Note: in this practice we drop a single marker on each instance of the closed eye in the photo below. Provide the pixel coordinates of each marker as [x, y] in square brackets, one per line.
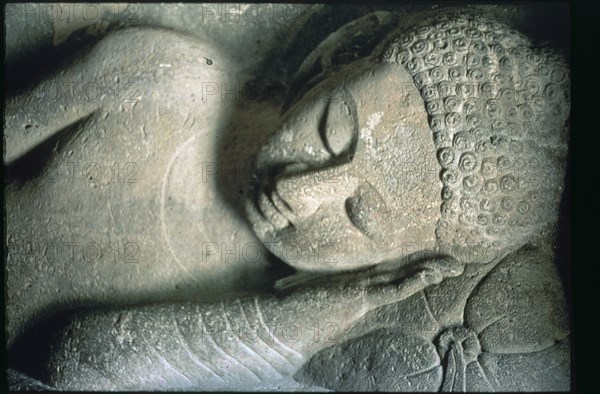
[338, 127]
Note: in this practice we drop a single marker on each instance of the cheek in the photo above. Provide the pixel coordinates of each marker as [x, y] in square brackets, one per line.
[328, 225]
[326, 241]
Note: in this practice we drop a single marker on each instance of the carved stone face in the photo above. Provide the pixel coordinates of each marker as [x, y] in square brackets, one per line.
[349, 178]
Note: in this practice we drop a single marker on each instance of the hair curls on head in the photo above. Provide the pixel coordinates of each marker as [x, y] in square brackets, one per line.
[497, 108]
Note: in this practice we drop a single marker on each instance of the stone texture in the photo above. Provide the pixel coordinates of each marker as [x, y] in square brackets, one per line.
[376, 151]
[495, 343]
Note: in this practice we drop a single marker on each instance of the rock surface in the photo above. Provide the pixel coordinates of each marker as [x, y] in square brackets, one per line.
[144, 145]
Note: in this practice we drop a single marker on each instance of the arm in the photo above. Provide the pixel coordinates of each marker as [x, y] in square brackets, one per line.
[221, 344]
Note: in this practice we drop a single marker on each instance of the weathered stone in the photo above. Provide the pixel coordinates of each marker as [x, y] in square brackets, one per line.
[411, 176]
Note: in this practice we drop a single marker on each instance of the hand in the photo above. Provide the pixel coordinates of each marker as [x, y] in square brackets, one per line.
[395, 285]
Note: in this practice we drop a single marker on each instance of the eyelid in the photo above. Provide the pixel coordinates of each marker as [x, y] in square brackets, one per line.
[340, 117]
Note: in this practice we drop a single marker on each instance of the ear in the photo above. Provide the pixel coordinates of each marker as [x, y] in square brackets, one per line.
[352, 41]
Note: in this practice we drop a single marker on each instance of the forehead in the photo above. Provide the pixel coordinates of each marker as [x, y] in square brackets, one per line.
[370, 82]
[395, 142]
[387, 103]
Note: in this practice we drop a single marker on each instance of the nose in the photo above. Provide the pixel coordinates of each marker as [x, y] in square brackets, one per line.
[304, 192]
[297, 140]
[280, 152]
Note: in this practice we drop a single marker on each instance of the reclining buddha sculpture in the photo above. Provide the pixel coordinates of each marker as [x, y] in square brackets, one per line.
[432, 161]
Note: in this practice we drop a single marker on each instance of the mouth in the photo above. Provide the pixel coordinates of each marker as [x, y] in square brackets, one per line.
[270, 205]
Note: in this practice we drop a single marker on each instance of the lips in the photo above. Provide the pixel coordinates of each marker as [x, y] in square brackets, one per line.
[271, 213]
[270, 205]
